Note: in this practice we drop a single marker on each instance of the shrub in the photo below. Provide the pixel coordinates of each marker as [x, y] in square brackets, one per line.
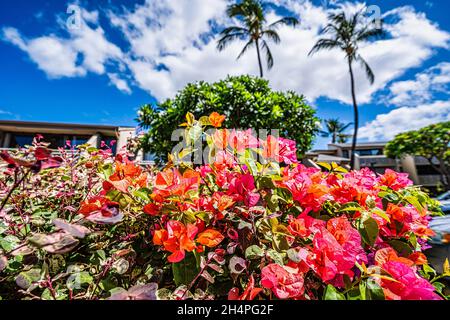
[92, 226]
[431, 142]
[247, 102]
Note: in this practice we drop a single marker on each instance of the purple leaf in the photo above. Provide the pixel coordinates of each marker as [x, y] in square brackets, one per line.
[75, 230]
[3, 263]
[237, 265]
[101, 219]
[205, 274]
[57, 243]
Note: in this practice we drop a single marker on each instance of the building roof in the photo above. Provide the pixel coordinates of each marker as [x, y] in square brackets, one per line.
[359, 144]
[58, 128]
[328, 158]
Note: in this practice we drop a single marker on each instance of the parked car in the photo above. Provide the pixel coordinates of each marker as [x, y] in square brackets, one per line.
[444, 199]
[440, 242]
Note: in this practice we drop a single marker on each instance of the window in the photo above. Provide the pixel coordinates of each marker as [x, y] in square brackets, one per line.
[79, 140]
[426, 170]
[20, 140]
[369, 152]
[56, 141]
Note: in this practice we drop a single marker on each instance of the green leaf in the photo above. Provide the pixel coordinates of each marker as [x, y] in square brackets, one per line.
[9, 242]
[331, 293]
[381, 214]
[374, 291]
[27, 279]
[275, 256]
[186, 270]
[76, 280]
[402, 248]
[354, 294]
[142, 194]
[254, 252]
[368, 228]
[350, 206]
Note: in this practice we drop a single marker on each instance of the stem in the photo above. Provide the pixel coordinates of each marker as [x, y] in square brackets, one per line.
[16, 184]
[198, 275]
[356, 115]
[259, 59]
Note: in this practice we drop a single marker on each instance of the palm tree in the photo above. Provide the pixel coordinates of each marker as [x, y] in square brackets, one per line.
[335, 129]
[346, 33]
[255, 29]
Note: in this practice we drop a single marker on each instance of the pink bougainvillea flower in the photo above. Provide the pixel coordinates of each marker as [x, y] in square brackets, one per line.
[177, 239]
[307, 185]
[242, 187]
[285, 282]
[336, 250]
[394, 180]
[406, 283]
[242, 140]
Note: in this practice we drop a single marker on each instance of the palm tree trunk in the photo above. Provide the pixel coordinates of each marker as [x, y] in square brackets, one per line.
[333, 140]
[356, 115]
[259, 59]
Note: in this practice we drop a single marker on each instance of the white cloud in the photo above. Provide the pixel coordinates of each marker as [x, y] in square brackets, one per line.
[4, 112]
[60, 57]
[120, 84]
[386, 126]
[422, 89]
[52, 55]
[172, 43]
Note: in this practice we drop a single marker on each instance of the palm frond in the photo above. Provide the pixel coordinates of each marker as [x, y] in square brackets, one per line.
[227, 39]
[288, 21]
[233, 29]
[368, 33]
[369, 73]
[272, 35]
[325, 44]
[269, 57]
[246, 47]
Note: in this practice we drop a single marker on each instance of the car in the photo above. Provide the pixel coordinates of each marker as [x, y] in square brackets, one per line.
[440, 242]
[444, 199]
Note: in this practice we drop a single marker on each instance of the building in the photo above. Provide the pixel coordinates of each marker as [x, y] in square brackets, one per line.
[371, 155]
[16, 134]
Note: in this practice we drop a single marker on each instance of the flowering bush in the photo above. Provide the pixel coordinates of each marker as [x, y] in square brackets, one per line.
[250, 223]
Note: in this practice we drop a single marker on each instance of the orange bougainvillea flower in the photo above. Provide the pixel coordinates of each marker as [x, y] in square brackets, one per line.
[126, 175]
[216, 119]
[222, 201]
[177, 239]
[418, 258]
[220, 138]
[210, 238]
[388, 254]
[172, 182]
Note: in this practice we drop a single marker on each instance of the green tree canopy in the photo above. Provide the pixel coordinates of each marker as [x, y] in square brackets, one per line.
[247, 102]
[431, 142]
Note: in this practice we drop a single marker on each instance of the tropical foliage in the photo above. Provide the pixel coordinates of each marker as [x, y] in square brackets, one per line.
[255, 29]
[247, 102]
[431, 142]
[336, 130]
[251, 223]
[346, 33]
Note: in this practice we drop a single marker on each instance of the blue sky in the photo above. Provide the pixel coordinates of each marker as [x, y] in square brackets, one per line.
[104, 70]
